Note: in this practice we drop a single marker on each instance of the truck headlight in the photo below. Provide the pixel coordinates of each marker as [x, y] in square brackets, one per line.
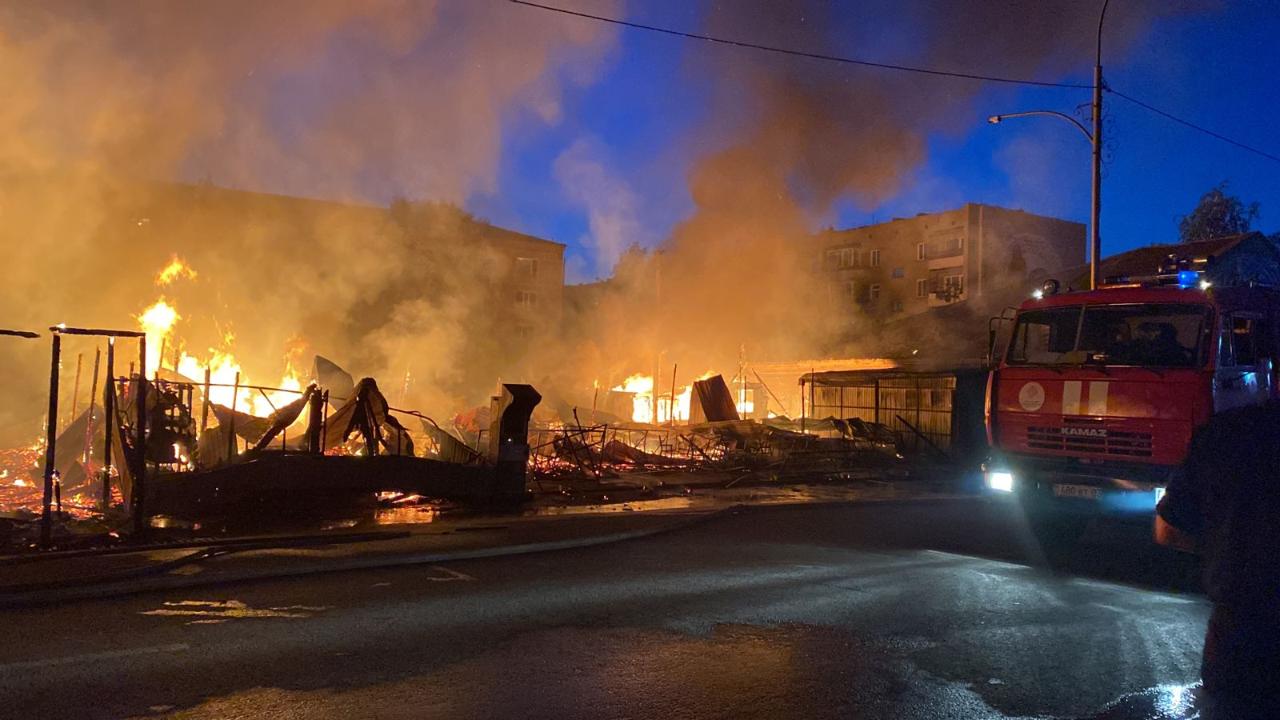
[1159, 495]
[1000, 480]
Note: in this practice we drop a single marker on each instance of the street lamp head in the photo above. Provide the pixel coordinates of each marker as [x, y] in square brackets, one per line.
[994, 119]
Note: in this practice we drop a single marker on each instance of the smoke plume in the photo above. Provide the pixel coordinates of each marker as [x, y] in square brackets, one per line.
[107, 104]
[787, 138]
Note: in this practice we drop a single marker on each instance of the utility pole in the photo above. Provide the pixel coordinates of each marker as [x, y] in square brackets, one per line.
[1095, 145]
[1095, 205]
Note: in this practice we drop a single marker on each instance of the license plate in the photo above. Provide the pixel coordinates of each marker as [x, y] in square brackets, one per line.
[1085, 492]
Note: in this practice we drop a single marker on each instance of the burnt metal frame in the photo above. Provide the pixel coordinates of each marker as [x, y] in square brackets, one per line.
[140, 461]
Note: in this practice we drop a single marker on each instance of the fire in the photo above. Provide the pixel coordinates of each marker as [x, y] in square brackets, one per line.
[265, 405]
[641, 387]
[223, 371]
[174, 270]
[642, 399]
[157, 322]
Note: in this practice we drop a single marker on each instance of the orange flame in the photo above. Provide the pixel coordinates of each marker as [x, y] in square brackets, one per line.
[174, 270]
[642, 388]
[157, 322]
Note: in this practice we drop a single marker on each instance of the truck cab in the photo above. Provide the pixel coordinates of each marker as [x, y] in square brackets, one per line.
[1091, 408]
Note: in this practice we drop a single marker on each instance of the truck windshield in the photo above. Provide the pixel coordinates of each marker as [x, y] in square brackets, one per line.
[1169, 335]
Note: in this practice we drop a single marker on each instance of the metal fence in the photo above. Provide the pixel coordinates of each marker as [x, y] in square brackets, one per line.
[942, 409]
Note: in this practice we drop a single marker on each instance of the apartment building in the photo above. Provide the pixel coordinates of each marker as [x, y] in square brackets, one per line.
[908, 265]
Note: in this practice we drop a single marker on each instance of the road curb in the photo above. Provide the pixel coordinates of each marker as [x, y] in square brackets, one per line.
[99, 591]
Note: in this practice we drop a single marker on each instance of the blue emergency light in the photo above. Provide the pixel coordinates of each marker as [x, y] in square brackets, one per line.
[1188, 278]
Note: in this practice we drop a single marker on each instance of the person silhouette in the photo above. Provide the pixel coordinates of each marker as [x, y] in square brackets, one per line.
[1228, 499]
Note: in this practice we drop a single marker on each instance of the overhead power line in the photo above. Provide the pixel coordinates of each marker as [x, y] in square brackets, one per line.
[801, 53]
[889, 66]
[1193, 126]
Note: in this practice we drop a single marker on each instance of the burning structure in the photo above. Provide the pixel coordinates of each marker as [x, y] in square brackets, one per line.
[430, 300]
[155, 460]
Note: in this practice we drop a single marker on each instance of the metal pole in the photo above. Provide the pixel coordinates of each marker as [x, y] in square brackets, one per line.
[802, 406]
[204, 413]
[75, 388]
[1095, 204]
[51, 438]
[140, 475]
[93, 405]
[671, 409]
[315, 423]
[231, 423]
[109, 411]
[324, 423]
[812, 374]
[653, 390]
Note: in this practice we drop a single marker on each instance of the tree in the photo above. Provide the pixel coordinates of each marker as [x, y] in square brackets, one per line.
[1217, 214]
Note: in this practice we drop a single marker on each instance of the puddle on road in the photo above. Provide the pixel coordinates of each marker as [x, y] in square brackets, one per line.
[212, 612]
[1164, 702]
[729, 671]
[667, 503]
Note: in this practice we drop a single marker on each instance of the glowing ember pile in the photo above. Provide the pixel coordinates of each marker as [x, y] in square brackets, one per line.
[19, 468]
[22, 484]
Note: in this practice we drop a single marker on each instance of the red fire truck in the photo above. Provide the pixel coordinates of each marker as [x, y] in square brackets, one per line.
[1091, 408]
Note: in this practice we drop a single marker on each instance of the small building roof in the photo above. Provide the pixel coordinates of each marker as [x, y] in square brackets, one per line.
[1145, 261]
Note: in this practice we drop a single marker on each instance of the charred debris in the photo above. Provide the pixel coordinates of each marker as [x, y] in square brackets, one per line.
[162, 452]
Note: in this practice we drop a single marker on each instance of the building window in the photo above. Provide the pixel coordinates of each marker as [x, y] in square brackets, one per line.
[841, 258]
[922, 288]
[851, 289]
[919, 251]
[944, 247]
[527, 267]
[526, 299]
[897, 306]
[1244, 341]
[873, 293]
[875, 258]
[947, 283]
[899, 273]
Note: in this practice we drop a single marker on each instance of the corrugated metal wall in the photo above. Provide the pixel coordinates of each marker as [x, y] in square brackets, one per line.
[925, 401]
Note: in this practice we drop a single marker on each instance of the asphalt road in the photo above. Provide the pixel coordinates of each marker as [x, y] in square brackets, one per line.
[932, 610]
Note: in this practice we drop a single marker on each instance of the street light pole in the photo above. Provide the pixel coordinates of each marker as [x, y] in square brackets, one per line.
[1095, 143]
[1095, 204]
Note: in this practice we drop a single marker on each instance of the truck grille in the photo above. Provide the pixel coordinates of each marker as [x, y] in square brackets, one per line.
[1090, 438]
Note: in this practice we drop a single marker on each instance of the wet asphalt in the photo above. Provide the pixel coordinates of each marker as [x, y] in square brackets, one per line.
[946, 609]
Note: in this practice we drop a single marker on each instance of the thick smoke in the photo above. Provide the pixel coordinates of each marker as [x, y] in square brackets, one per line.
[106, 104]
[788, 138]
